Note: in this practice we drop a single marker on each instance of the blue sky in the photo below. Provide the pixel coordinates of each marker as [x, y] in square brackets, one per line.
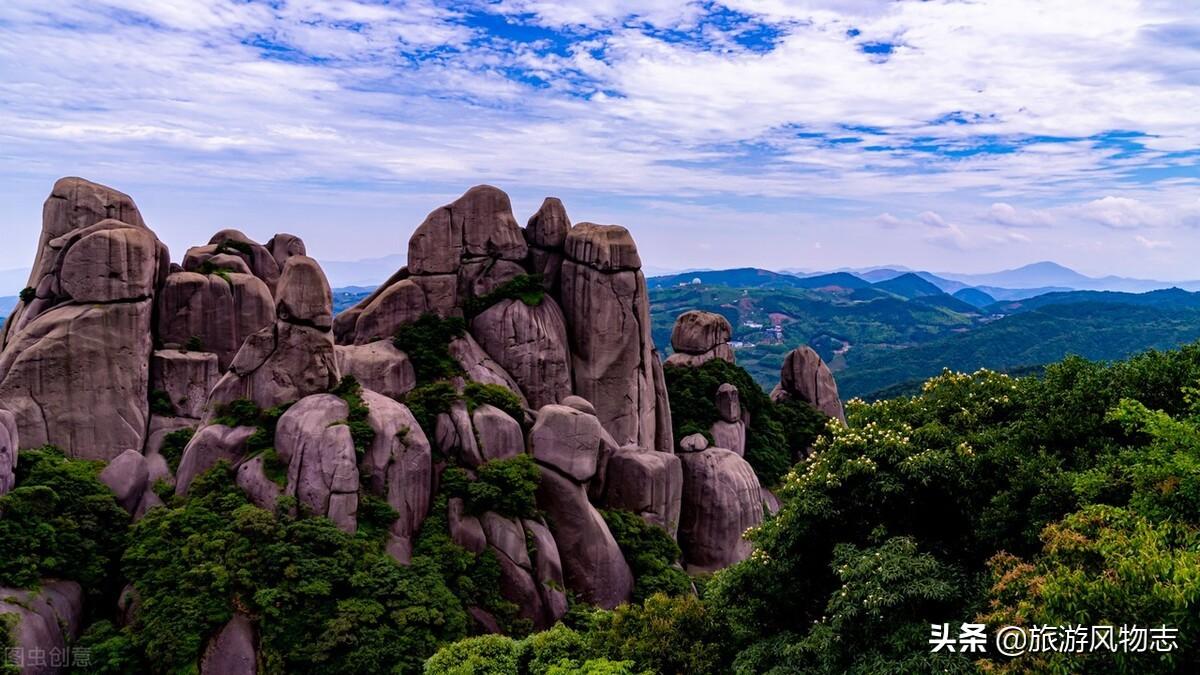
[946, 135]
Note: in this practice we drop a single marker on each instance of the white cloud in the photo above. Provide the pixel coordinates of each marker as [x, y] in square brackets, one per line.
[1153, 243]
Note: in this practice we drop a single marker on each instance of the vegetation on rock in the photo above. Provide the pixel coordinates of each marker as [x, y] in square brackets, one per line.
[426, 341]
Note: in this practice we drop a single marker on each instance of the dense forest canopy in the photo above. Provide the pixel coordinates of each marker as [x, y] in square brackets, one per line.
[1067, 499]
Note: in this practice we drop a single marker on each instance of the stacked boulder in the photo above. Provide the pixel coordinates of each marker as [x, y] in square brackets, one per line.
[75, 365]
[699, 337]
[805, 377]
[115, 348]
[722, 497]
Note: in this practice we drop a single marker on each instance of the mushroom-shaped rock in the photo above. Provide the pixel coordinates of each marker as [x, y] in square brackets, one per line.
[211, 444]
[9, 443]
[397, 466]
[313, 439]
[805, 377]
[568, 440]
[592, 562]
[647, 483]
[721, 500]
[126, 476]
[499, 435]
[696, 332]
[303, 294]
[232, 651]
[184, 378]
[530, 343]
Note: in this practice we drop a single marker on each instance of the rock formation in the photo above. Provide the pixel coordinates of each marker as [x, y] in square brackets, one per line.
[45, 623]
[805, 377]
[115, 349]
[698, 337]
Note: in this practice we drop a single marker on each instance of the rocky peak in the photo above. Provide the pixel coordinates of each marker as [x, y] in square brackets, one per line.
[805, 377]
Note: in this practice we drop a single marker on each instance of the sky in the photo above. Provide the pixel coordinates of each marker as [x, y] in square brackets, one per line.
[949, 135]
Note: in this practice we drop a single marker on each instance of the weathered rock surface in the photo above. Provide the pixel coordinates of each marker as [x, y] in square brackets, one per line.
[210, 445]
[604, 300]
[721, 500]
[314, 441]
[403, 302]
[398, 467]
[696, 332]
[46, 622]
[729, 435]
[500, 436]
[217, 311]
[479, 367]
[479, 223]
[592, 562]
[454, 436]
[232, 651]
[693, 443]
[77, 377]
[283, 246]
[185, 378]
[293, 358]
[568, 440]
[303, 295]
[547, 571]
[126, 475]
[259, 488]
[261, 261]
[465, 529]
[377, 366]
[805, 377]
[10, 443]
[647, 483]
[530, 343]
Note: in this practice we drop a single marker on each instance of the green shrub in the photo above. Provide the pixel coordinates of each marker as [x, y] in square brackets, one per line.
[239, 413]
[651, 554]
[528, 288]
[427, 401]
[160, 403]
[350, 391]
[426, 342]
[499, 396]
[194, 344]
[777, 434]
[28, 294]
[482, 655]
[60, 521]
[322, 599]
[506, 486]
[173, 445]
[661, 635]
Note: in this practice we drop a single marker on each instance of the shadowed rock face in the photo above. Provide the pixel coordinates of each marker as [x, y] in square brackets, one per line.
[805, 377]
[112, 321]
[74, 370]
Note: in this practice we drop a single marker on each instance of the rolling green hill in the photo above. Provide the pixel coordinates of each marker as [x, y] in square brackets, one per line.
[1022, 342]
